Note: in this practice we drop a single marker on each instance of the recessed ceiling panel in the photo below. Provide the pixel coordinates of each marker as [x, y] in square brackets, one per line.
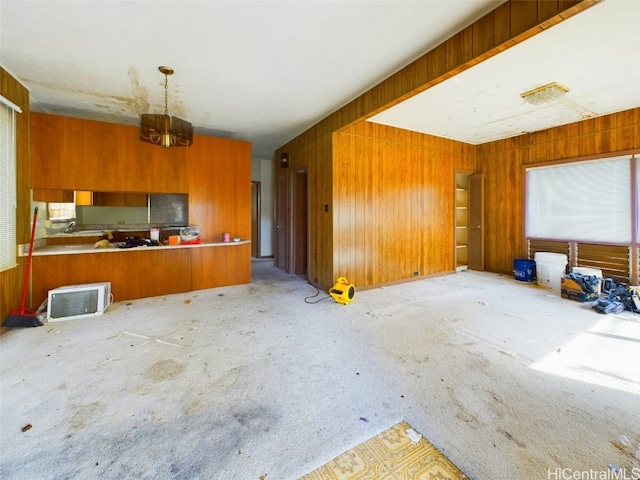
[595, 54]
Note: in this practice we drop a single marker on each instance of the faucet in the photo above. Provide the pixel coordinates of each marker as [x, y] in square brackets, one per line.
[70, 227]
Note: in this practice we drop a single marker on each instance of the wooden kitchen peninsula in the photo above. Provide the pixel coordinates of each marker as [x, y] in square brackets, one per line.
[142, 271]
[70, 154]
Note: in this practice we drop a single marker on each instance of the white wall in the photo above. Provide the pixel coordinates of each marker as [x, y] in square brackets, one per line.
[262, 171]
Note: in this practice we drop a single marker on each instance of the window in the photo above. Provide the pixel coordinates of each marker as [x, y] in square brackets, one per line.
[7, 185]
[585, 201]
[61, 211]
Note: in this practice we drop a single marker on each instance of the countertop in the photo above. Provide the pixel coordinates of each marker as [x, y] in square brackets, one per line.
[92, 233]
[112, 248]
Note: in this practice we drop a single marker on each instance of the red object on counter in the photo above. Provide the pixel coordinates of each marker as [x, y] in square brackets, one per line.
[190, 242]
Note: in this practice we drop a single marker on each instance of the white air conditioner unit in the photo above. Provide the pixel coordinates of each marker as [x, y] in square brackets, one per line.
[78, 301]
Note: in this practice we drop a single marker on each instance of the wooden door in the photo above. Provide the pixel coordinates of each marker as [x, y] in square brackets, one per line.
[476, 222]
[255, 219]
[300, 223]
[281, 223]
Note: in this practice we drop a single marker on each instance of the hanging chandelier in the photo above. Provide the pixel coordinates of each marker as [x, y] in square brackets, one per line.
[163, 130]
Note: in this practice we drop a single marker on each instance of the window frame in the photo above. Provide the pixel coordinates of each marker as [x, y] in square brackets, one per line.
[8, 193]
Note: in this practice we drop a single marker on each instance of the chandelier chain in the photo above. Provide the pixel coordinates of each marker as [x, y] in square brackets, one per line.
[166, 102]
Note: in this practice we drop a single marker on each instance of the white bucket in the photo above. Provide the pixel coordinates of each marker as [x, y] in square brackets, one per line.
[550, 268]
[589, 271]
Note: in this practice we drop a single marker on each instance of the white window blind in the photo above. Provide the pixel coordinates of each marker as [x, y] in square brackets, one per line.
[636, 157]
[7, 187]
[585, 201]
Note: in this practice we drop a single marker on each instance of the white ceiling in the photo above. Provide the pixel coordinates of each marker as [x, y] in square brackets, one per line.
[265, 71]
[596, 54]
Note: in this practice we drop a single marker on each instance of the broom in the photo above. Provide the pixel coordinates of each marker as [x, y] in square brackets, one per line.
[24, 317]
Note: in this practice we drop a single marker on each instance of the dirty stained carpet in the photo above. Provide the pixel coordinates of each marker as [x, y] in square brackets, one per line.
[251, 382]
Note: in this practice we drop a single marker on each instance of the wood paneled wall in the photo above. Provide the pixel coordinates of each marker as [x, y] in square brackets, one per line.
[394, 194]
[220, 188]
[502, 163]
[11, 280]
[316, 156]
[509, 24]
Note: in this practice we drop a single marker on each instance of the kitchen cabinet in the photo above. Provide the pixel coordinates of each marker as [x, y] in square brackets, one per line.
[173, 269]
[53, 195]
[101, 160]
[128, 271]
[135, 199]
[119, 199]
[84, 198]
[75, 154]
[232, 266]
[111, 199]
[57, 152]
[108, 199]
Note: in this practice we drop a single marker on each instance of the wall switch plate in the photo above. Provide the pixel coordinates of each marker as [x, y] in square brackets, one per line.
[326, 207]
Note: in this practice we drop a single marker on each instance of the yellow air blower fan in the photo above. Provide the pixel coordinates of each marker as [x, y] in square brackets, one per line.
[342, 292]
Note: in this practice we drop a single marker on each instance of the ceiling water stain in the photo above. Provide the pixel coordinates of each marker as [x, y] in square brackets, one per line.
[134, 105]
[140, 102]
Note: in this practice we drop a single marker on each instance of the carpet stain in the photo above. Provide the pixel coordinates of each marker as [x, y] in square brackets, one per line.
[196, 406]
[165, 370]
[623, 449]
[495, 397]
[256, 418]
[514, 440]
[86, 414]
[464, 415]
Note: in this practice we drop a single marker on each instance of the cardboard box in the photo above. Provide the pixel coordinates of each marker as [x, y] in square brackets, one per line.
[573, 291]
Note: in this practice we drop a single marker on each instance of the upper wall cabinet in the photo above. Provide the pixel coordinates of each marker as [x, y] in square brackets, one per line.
[75, 154]
[53, 195]
[57, 149]
[119, 199]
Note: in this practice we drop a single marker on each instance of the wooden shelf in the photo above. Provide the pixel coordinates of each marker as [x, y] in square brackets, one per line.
[462, 222]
